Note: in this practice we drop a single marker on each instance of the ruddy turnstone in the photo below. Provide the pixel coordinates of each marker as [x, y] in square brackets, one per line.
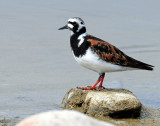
[98, 55]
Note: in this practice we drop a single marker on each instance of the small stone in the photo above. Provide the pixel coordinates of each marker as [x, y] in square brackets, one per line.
[116, 103]
[62, 118]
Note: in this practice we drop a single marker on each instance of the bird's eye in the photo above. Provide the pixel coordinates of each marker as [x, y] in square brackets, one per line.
[81, 22]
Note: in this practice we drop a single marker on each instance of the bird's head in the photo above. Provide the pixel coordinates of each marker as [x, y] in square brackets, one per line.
[75, 24]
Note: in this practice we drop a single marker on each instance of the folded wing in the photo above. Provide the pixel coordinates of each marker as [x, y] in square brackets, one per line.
[112, 54]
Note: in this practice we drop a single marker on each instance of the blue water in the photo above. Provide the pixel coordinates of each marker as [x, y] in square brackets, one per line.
[36, 64]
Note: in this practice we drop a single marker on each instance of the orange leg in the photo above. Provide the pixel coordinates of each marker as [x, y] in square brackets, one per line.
[100, 85]
[100, 79]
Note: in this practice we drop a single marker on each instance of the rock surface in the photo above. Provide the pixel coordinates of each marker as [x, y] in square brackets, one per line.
[116, 103]
[62, 118]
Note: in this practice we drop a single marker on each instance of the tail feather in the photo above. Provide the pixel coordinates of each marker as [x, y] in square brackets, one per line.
[138, 64]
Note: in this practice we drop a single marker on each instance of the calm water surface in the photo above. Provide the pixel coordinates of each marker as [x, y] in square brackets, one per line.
[36, 64]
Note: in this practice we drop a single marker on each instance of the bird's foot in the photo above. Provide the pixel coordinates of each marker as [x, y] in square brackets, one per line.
[86, 88]
[101, 87]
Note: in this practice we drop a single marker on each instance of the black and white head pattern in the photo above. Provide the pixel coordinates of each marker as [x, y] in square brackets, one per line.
[76, 24]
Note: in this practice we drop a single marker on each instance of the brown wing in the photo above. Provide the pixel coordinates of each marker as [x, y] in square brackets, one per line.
[112, 54]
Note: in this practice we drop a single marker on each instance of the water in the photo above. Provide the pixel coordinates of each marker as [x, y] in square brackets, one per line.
[36, 64]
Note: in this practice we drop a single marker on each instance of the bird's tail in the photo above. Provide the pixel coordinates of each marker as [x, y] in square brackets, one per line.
[139, 64]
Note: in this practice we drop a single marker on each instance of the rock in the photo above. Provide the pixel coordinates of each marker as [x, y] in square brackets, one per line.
[62, 118]
[8, 121]
[149, 117]
[116, 103]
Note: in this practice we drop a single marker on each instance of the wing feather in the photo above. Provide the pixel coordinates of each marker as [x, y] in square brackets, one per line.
[112, 54]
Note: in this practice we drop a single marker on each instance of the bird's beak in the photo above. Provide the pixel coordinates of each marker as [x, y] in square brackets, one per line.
[64, 27]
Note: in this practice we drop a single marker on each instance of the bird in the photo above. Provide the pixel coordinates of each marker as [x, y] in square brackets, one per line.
[98, 55]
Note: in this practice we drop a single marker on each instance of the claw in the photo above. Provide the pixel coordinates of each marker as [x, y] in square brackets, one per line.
[101, 87]
[100, 79]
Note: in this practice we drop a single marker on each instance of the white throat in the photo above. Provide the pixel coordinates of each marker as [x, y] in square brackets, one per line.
[81, 39]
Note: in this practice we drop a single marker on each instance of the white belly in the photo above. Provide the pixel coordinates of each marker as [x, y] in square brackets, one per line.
[93, 62]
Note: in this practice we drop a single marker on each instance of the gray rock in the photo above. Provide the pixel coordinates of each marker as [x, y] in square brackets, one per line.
[116, 103]
[62, 118]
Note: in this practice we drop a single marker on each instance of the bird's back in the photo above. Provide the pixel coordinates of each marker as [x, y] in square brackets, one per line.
[113, 55]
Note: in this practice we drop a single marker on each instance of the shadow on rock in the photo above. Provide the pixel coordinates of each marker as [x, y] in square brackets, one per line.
[115, 103]
[117, 106]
